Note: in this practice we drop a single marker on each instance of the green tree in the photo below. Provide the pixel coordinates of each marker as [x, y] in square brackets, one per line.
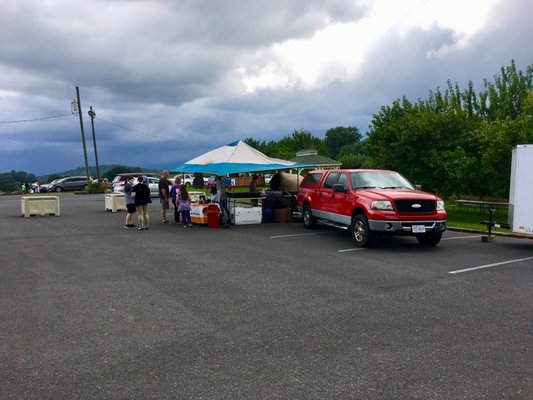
[339, 137]
[287, 147]
[456, 141]
[13, 180]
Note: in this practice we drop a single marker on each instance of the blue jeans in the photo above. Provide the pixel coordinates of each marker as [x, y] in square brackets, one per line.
[186, 217]
[176, 212]
[223, 203]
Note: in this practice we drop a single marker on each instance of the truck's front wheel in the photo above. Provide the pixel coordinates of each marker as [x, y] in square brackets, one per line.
[360, 230]
[309, 220]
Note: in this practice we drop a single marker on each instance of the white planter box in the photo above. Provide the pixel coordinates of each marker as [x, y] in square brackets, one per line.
[39, 205]
[246, 215]
[114, 202]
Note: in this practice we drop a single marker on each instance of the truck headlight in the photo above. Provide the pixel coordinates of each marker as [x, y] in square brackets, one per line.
[440, 205]
[381, 205]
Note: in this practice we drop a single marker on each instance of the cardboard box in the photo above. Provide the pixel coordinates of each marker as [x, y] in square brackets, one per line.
[283, 215]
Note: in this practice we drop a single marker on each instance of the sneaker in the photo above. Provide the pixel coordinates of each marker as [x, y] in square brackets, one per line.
[166, 222]
[140, 228]
[133, 226]
[127, 227]
[190, 225]
[146, 228]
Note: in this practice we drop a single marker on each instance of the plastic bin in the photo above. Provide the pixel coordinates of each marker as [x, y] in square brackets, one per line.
[213, 216]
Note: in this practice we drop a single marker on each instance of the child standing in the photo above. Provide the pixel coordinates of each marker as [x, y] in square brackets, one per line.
[184, 206]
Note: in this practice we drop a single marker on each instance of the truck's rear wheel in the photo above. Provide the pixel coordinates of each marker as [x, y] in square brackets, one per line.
[429, 239]
[361, 234]
[309, 220]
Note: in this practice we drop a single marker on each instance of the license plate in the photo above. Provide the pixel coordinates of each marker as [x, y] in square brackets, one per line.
[418, 228]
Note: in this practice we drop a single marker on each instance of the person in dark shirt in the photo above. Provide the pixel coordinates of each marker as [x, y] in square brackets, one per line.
[164, 196]
[141, 194]
[174, 190]
[275, 181]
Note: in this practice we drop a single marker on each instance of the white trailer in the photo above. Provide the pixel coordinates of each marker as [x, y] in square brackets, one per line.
[521, 190]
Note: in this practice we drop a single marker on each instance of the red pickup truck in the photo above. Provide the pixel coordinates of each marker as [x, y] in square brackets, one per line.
[369, 203]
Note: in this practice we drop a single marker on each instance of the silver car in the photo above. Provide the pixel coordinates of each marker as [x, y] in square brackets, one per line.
[68, 183]
[153, 184]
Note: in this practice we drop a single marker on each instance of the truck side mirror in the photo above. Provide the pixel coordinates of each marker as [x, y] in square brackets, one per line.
[339, 188]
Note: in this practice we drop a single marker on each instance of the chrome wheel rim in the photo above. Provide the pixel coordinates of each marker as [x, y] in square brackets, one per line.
[307, 217]
[359, 231]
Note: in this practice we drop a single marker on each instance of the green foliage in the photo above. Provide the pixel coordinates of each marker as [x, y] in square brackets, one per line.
[469, 217]
[457, 142]
[287, 147]
[339, 137]
[96, 187]
[12, 181]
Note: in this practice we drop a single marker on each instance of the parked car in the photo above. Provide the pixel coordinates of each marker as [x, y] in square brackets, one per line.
[153, 185]
[47, 186]
[120, 181]
[371, 202]
[68, 183]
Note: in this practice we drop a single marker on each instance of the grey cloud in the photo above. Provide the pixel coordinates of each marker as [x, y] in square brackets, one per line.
[160, 75]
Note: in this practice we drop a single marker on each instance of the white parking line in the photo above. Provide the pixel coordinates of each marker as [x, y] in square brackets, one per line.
[298, 234]
[461, 237]
[345, 250]
[490, 265]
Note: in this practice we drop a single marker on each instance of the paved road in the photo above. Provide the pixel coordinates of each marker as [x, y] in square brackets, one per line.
[89, 310]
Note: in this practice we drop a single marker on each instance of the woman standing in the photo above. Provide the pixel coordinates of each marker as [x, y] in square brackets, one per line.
[184, 206]
[174, 194]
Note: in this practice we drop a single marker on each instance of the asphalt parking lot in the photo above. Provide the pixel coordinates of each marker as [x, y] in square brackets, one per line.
[89, 310]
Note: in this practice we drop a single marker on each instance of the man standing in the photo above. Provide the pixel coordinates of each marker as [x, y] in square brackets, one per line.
[164, 196]
[222, 198]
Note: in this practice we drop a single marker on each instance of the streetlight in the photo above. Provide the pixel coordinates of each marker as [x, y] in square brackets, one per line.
[92, 114]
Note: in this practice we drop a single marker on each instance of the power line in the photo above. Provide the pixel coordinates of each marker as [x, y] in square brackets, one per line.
[35, 119]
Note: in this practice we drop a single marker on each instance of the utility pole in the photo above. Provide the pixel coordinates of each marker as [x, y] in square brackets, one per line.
[83, 135]
[92, 114]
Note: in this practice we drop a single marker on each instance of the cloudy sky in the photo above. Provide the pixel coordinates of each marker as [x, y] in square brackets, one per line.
[171, 79]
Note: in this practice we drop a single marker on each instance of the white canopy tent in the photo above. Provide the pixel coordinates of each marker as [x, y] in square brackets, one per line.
[234, 158]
